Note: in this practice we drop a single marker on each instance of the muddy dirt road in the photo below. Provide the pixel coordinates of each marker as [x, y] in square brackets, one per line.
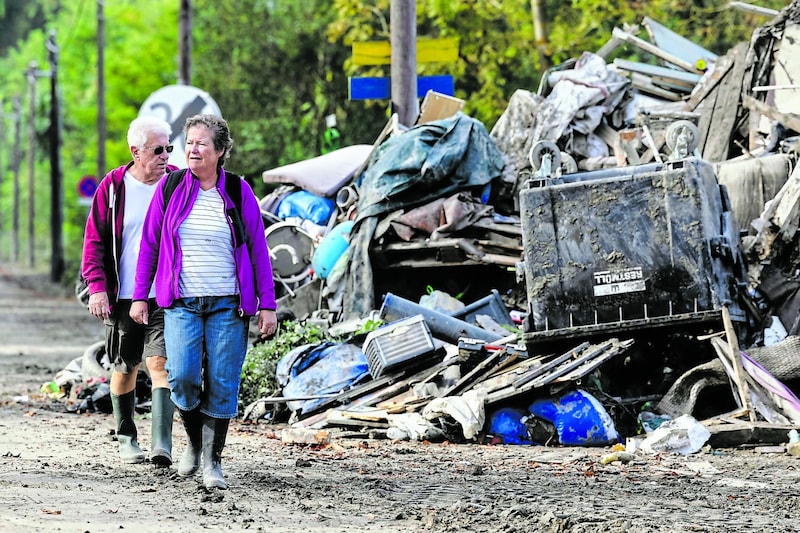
[59, 471]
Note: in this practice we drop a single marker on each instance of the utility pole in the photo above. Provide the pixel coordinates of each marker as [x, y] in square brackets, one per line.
[101, 92]
[540, 35]
[403, 28]
[15, 164]
[185, 43]
[31, 75]
[56, 190]
[2, 146]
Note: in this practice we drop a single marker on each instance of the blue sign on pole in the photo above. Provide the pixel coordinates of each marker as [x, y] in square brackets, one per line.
[375, 88]
[87, 185]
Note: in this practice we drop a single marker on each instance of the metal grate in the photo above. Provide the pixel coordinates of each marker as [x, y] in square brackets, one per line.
[397, 343]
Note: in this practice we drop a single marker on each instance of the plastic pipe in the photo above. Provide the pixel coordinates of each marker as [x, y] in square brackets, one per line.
[442, 326]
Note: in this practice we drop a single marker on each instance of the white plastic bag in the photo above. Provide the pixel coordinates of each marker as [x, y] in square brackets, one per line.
[683, 435]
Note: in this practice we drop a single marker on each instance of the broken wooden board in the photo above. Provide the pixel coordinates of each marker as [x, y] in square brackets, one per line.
[733, 434]
[371, 418]
[788, 119]
[436, 106]
[656, 51]
[571, 365]
[709, 82]
[507, 377]
[715, 135]
[677, 45]
[483, 369]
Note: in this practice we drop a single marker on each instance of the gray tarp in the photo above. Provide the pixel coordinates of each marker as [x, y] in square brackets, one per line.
[429, 161]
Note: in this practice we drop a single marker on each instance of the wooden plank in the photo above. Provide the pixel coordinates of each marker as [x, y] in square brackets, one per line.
[428, 51]
[736, 359]
[340, 418]
[471, 376]
[791, 120]
[538, 371]
[437, 106]
[379, 88]
[645, 84]
[758, 10]
[565, 369]
[371, 414]
[655, 71]
[656, 51]
[678, 45]
[595, 362]
[710, 82]
[726, 110]
[507, 377]
[732, 435]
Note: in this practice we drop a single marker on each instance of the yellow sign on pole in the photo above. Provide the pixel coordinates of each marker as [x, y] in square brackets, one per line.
[428, 51]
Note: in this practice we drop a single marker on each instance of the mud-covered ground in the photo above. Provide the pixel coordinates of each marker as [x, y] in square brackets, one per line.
[59, 470]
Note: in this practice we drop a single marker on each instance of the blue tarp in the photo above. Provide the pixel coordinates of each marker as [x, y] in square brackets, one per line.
[325, 368]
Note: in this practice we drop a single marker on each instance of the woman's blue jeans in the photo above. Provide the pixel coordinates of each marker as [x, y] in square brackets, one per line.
[206, 342]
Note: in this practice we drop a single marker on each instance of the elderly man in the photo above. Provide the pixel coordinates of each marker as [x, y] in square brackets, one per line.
[110, 253]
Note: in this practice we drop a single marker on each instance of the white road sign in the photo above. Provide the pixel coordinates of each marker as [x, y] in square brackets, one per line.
[176, 103]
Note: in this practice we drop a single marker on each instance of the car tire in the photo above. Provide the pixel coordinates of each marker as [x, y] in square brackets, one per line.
[95, 362]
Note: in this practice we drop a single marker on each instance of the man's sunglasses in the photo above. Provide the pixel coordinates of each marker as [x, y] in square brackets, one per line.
[158, 150]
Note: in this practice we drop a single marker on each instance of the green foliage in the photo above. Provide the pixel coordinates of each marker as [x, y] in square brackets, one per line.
[275, 77]
[258, 372]
[369, 325]
[136, 65]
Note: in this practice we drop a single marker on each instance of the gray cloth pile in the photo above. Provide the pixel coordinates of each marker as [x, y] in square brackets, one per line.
[782, 360]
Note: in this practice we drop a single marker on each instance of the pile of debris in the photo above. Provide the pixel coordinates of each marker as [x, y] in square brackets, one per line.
[603, 274]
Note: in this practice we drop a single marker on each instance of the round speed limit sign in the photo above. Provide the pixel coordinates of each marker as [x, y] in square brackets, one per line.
[174, 104]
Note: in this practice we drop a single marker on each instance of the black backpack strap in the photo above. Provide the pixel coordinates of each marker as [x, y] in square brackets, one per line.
[233, 187]
[173, 179]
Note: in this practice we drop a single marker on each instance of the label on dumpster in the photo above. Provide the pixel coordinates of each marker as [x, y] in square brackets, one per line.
[611, 282]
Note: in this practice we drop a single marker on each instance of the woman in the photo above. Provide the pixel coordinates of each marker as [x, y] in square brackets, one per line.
[212, 271]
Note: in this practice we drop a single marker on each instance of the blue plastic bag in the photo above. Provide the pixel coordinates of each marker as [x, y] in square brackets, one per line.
[579, 419]
[508, 425]
[326, 368]
[307, 206]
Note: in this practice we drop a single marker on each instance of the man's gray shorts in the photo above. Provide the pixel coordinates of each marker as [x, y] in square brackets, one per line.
[127, 342]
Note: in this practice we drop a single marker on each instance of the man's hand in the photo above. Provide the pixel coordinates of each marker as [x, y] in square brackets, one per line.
[98, 305]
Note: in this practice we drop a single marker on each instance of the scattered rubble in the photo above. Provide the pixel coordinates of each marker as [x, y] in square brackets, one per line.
[637, 220]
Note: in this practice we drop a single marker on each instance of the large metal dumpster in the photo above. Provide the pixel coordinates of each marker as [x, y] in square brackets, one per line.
[629, 249]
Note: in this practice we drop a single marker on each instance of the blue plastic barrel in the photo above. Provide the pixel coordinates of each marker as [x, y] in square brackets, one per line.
[333, 245]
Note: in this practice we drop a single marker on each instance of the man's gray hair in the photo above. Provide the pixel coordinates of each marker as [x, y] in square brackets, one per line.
[141, 127]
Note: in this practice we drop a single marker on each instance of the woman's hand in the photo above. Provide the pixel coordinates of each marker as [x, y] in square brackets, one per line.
[139, 312]
[267, 322]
